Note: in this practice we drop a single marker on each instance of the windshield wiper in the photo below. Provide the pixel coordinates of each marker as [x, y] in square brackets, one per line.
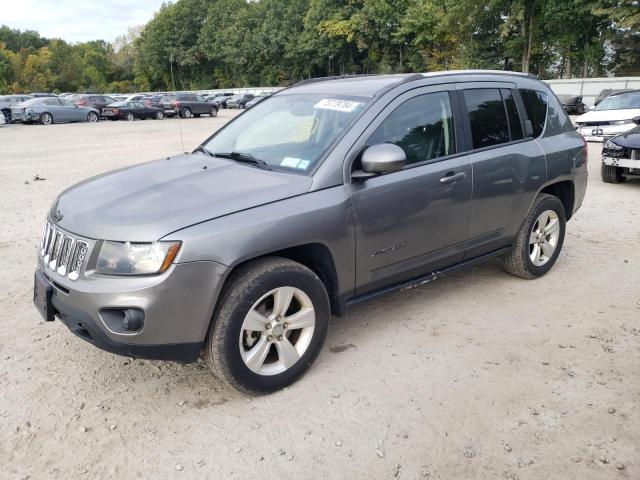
[245, 158]
[200, 148]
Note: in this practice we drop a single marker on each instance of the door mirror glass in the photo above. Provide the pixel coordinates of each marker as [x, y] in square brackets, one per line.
[383, 158]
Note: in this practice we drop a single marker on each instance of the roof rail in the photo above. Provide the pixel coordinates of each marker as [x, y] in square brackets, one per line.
[308, 81]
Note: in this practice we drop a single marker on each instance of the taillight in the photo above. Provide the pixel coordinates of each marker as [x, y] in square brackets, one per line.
[81, 103]
[115, 110]
[176, 104]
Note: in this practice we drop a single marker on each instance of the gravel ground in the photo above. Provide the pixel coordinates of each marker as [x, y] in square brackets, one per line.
[478, 375]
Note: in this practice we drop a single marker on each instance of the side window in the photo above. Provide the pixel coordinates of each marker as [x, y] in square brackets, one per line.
[51, 101]
[200, 98]
[515, 125]
[487, 115]
[536, 105]
[422, 126]
[138, 105]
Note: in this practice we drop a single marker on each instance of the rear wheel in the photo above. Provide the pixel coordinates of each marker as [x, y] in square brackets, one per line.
[270, 326]
[214, 112]
[7, 115]
[92, 117]
[539, 240]
[159, 115]
[186, 113]
[130, 117]
[46, 119]
[611, 174]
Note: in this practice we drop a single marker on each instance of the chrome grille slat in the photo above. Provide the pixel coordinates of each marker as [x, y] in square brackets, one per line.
[62, 252]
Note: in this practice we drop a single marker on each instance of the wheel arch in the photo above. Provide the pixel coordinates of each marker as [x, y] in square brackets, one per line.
[565, 191]
[316, 257]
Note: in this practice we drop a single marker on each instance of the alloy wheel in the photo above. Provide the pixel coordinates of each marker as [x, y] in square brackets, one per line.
[543, 238]
[277, 331]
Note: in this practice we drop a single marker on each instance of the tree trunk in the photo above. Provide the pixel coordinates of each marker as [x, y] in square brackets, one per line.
[569, 63]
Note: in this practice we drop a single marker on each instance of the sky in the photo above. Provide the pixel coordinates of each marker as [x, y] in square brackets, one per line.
[77, 20]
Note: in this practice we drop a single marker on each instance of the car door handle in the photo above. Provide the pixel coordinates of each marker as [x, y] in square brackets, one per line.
[453, 177]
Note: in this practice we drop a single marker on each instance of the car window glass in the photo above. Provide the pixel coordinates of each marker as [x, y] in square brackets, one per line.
[67, 103]
[108, 100]
[422, 126]
[487, 116]
[51, 101]
[620, 102]
[515, 125]
[138, 105]
[200, 98]
[535, 103]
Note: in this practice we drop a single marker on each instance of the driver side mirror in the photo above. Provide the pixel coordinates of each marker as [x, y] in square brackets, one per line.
[636, 120]
[381, 158]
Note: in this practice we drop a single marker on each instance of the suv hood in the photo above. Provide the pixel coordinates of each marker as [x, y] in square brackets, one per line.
[151, 200]
[608, 115]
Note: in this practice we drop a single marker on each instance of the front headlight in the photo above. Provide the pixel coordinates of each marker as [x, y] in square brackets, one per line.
[609, 145]
[128, 258]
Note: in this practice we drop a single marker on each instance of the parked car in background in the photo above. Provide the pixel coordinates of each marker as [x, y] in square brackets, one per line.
[119, 98]
[91, 100]
[42, 94]
[48, 110]
[187, 105]
[606, 92]
[611, 117]
[131, 110]
[7, 101]
[254, 100]
[154, 100]
[572, 104]
[220, 99]
[240, 100]
[621, 156]
[331, 193]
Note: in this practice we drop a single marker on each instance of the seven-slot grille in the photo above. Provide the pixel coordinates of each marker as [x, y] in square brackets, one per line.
[62, 252]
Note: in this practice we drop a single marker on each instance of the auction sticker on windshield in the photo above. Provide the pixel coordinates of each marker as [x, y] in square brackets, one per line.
[338, 105]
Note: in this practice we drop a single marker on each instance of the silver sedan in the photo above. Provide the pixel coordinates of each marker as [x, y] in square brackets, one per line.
[48, 110]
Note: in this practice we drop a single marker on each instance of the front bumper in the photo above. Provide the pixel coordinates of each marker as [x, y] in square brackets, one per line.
[621, 162]
[177, 305]
[600, 133]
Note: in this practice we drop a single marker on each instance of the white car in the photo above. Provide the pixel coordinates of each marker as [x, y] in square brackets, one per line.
[612, 116]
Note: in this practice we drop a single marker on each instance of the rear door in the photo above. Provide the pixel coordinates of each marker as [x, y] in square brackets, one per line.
[414, 221]
[508, 166]
[202, 105]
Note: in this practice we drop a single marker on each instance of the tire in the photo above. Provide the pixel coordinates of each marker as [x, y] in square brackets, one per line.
[129, 117]
[159, 116]
[224, 349]
[7, 116]
[186, 113]
[46, 118]
[92, 117]
[611, 174]
[522, 261]
[214, 112]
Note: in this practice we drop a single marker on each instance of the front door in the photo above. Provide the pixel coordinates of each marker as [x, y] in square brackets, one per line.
[415, 221]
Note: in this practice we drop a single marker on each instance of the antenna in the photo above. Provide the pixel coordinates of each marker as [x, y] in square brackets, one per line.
[173, 82]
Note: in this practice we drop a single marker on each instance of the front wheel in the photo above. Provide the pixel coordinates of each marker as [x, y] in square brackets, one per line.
[159, 115]
[612, 174]
[186, 113]
[539, 240]
[46, 119]
[92, 117]
[130, 117]
[269, 327]
[214, 112]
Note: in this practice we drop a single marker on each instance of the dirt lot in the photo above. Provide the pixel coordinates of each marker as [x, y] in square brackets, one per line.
[479, 375]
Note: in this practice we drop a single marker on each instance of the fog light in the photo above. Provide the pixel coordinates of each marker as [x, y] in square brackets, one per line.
[132, 319]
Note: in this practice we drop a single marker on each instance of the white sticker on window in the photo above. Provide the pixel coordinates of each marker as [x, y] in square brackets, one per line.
[338, 105]
[303, 164]
[290, 162]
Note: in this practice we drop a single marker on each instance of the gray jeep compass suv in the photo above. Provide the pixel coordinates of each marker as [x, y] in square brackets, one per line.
[321, 196]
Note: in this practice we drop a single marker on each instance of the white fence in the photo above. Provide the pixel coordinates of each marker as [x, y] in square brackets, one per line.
[589, 88]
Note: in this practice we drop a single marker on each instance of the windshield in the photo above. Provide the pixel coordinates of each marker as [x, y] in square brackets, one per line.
[290, 132]
[620, 102]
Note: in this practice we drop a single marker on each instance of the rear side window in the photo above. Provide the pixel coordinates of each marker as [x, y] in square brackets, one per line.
[487, 116]
[535, 103]
[422, 126]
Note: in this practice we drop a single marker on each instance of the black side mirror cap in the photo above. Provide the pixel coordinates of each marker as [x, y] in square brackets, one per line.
[528, 128]
[636, 120]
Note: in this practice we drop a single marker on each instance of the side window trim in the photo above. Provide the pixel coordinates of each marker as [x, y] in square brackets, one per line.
[522, 111]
